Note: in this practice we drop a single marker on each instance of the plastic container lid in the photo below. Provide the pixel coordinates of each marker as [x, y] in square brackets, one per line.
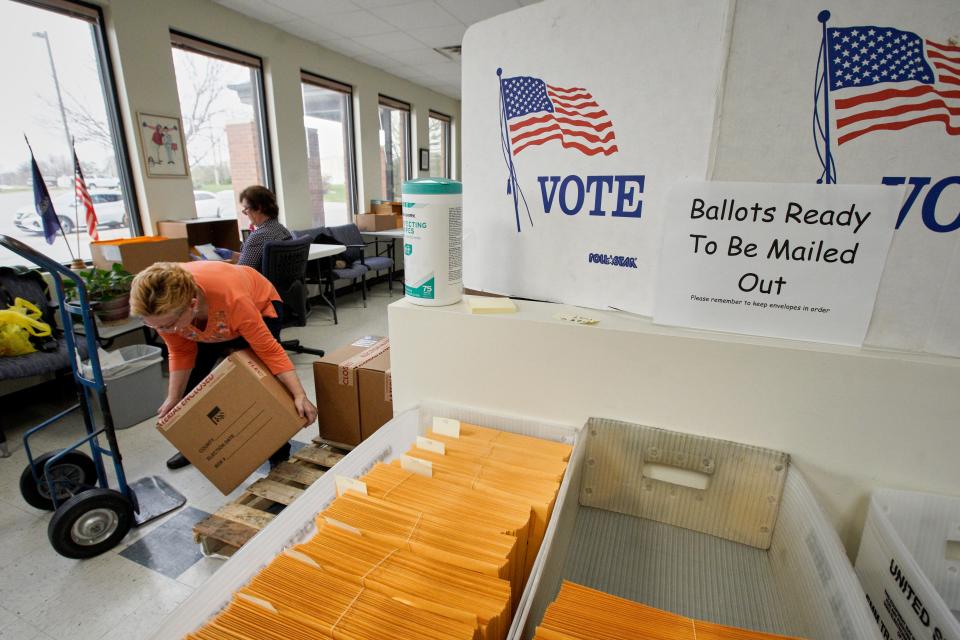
[432, 186]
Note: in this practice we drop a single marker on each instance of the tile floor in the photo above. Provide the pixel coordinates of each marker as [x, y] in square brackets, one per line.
[125, 593]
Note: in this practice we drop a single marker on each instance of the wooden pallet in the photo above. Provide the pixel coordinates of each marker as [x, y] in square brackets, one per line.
[236, 522]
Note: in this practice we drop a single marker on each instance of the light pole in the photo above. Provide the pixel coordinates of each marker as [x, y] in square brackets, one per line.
[56, 83]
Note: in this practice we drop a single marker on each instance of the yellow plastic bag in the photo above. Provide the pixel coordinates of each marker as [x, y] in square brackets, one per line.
[17, 325]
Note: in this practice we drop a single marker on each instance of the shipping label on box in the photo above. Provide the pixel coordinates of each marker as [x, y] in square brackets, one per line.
[231, 422]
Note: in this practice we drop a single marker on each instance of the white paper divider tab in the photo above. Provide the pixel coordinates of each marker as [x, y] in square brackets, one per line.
[260, 602]
[301, 557]
[342, 525]
[416, 465]
[345, 484]
[428, 444]
[446, 427]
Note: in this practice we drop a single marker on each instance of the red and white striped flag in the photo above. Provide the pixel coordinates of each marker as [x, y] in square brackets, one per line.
[83, 195]
[887, 79]
[537, 112]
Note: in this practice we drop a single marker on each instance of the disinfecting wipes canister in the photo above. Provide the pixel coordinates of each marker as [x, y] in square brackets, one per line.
[432, 240]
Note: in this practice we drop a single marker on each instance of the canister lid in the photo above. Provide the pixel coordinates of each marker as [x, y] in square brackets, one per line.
[432, 186]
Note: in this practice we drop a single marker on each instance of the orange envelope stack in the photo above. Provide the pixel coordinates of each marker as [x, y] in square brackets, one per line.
[440, 551]
[579, 613]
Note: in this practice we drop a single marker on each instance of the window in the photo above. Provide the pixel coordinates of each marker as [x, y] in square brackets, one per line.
[222, 106]
[327, 123]
[394, 146]
[439, 126]
[58, 74]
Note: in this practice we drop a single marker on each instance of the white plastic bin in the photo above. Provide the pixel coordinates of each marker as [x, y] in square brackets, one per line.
[909, 564]
[743, 542]
[135, 384]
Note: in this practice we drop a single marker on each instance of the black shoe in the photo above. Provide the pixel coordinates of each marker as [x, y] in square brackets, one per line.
[177, 461]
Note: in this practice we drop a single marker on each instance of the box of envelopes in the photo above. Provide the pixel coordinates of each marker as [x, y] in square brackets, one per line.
[725, 534]
[232, 421]
[398, 539]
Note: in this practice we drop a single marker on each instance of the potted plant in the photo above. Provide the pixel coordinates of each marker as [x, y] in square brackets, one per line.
[108, 292]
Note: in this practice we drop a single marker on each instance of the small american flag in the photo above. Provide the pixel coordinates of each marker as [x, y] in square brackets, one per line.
[919, 81]
[83, 195]
[537, 113]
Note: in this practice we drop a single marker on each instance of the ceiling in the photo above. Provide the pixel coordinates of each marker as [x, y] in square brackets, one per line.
[398, 36]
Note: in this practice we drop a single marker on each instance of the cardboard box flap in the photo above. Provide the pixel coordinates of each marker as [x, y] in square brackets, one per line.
[722, 488]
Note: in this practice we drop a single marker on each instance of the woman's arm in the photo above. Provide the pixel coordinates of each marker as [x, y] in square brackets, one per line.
[304, 407]
[175, 389]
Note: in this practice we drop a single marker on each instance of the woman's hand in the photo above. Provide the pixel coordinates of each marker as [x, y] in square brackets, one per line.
[167, 405]
[305, 408]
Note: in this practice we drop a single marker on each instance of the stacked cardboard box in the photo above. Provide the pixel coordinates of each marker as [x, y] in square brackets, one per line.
[136, 254]
[383, 215]
[354, 390]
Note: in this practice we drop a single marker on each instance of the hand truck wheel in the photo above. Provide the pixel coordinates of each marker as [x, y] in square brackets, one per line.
[73, 473]
[90, 523]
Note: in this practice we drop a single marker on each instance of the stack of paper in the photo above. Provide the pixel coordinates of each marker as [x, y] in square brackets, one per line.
[438, 546]
[580, 613]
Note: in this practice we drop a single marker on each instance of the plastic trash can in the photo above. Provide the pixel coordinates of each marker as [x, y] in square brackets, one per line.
[135, 384]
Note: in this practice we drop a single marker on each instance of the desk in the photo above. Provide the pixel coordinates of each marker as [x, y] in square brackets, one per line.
[318, 251]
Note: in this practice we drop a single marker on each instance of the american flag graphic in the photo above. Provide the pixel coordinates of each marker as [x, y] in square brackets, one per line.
[538, 112]
[83, 196]
[886, 79]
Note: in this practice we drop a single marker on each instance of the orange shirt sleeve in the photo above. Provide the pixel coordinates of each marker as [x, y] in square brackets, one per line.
[183, 352]
[249, 323]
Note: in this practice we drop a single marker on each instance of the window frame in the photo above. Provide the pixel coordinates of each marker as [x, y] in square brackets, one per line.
[202, 46]
[93, 15]
[400, 105]
[448, 139]
[323, 82]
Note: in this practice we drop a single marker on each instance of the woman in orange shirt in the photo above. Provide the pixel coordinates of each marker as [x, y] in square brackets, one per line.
[205, 310]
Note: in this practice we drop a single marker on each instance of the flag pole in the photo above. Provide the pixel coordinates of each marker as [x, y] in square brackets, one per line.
[505, 137]
[830, 176]
[76, 214]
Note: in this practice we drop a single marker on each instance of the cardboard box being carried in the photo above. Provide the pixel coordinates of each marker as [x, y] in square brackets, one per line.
[353, 390]
[136, 254]
[372, 222]
[234, 420]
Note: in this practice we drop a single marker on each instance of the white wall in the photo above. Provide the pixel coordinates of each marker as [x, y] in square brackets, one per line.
[139, 37]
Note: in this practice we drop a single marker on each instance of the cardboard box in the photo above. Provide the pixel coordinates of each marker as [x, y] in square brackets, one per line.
[385, 208]
[136, 254]
[375, 385]
[338, 397]
[219, 233]
[372, 222]
[234, 420]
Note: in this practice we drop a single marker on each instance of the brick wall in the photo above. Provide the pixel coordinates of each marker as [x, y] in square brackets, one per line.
[243, 143]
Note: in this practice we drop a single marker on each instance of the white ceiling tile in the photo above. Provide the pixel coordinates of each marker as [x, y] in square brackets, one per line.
[416, 14]
[349, 47]
[470, 11]
[376, 4]
[357, 23]
[317, 9]
[418, 57]
[308, 30]
[440, 36]
[390, 42]
[260, 10]
[435, 68]
[384, 62]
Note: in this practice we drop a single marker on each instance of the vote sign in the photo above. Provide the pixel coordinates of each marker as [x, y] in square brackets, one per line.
[783, 260]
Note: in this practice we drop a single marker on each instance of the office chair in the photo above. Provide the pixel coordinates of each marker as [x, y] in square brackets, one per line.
[284, 263]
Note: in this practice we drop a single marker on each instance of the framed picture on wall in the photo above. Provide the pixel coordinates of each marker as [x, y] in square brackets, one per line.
[161, 138]
[424, 160]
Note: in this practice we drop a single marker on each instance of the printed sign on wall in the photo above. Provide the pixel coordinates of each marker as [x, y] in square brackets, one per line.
[860, 93]
[784, 260]
[581, 116]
